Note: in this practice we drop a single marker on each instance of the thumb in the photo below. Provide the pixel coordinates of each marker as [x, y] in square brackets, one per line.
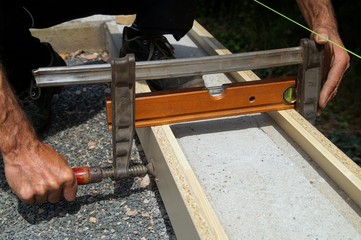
[321, 38]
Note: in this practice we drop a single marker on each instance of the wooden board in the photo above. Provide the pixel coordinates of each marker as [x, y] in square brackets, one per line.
[190, 212]
[125, 19]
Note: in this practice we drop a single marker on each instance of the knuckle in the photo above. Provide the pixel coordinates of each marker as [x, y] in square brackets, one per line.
[40, 190]
[69, 176]
[26, 196]
[53, 199]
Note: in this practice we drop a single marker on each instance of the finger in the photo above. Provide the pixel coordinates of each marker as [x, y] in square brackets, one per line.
[70, 188]
[54, 196]
[49, 192]
[41, 198]
[321, 38]
[26, 196]
[29, 201]
[69, 192]
[320, 35]
[329, 89]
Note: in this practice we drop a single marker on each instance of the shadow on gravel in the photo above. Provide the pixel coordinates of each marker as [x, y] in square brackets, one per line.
[44, 212]
[3, 184]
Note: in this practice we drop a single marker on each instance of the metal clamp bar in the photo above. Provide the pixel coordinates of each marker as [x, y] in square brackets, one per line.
[309, 80]
[123, 95]
[145, 70]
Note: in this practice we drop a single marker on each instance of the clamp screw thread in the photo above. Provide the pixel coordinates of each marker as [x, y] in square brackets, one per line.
[108, 173]
[138, 170]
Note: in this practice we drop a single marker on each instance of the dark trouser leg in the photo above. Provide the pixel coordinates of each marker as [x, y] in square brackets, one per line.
[18, 49]
[166, 17]
[20, 52]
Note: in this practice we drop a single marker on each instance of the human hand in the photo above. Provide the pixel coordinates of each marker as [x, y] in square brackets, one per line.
[40, 174]
[336, 62]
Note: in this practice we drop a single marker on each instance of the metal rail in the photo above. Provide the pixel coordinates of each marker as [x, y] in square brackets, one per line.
[145, 70]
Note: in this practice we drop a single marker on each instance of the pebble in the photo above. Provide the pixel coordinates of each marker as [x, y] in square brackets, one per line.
[145, 182]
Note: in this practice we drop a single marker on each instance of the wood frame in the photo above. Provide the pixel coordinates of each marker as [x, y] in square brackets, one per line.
[189, 210]
[187, 206]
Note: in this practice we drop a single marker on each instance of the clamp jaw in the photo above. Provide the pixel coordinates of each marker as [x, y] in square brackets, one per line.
[123, 127]
[309, 80]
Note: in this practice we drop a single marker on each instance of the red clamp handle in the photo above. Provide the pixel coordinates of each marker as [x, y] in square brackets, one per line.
[85, 175]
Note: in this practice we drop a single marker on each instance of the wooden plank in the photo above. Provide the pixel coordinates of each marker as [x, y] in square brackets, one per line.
[125, 19]
[340, 168]
[187, 206]
[181, 105]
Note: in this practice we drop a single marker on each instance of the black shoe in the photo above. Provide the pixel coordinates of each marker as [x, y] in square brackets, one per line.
[36, 102]
[156, 48]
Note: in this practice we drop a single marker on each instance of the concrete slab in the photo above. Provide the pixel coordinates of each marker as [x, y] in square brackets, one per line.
[263, 187]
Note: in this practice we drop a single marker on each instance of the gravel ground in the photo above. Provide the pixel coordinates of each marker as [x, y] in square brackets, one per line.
[127, 209]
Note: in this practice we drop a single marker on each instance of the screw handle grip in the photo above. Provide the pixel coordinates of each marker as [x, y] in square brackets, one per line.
[86, 175]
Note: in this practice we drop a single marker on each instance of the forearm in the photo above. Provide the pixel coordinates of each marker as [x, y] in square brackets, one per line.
[318, 13]
[34, 171]
[15, 130]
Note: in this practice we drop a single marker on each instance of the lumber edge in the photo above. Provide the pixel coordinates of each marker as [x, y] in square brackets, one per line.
[332, 160]
[188, 208]
[339, 167]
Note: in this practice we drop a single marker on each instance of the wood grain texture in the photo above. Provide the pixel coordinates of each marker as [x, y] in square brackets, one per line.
[188, 208]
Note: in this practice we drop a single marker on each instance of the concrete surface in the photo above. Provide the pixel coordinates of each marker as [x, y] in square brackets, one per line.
[263, 187]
